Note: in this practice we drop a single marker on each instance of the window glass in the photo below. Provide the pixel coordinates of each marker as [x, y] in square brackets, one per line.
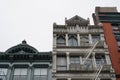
[40, 74]
[37, 71]
[88, 63]
[84, 40]
[74, 59]
[40, 71]
[17, 72]
[118, 43]
[61, 40]
[115, 27]
[3, 71]
[20, 71]
[20, 74]
[61, 63]
[100, 59]
[95, 38]
[117, 36]
[23, 71]
[43, 71]
[72, 41]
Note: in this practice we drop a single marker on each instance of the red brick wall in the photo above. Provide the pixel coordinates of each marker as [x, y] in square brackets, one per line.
[113, 48]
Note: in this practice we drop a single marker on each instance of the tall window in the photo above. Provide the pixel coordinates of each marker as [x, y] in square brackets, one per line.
[75, 59]
[61, 63]
[20, 74]
[72, 41]
[61, 40]
[100, 59]
[95, 38]
[40, 74]
[115, 27]
[117, 36]
[84, 40]
[3, 73]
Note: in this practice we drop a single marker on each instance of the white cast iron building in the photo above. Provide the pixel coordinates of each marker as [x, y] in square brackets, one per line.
[80, 51]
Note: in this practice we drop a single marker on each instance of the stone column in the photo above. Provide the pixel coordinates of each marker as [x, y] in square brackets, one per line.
[102, 37]
[66, 38]
[54, 61]
[8, 77]
[90, 39]
[50, 72]
[78, 38]
[94, 60]
[54, 40]
[80, 59]
[30, 76]
[68, 60]
[107, 58]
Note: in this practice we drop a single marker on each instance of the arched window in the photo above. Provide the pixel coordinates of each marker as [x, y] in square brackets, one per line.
[61, 40]
[72, 41]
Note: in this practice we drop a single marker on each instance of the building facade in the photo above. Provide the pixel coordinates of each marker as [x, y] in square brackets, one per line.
[24, 62]
[109, 17]
[80, 51]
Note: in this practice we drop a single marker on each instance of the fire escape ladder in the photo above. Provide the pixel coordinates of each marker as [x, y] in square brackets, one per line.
[98, 73]
[90, 52]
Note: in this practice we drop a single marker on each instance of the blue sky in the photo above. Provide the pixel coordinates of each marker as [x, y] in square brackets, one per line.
[33, 20]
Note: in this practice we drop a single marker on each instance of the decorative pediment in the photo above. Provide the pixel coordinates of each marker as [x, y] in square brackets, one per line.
[22, 48]
[77, 20]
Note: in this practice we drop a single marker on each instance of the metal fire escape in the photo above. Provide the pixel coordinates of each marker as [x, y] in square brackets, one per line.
[89, 54]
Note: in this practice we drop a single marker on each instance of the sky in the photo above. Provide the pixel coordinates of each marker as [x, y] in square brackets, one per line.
[32, 20]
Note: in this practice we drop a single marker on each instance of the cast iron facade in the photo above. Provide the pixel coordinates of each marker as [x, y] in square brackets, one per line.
[76, 56]
[24, 62]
